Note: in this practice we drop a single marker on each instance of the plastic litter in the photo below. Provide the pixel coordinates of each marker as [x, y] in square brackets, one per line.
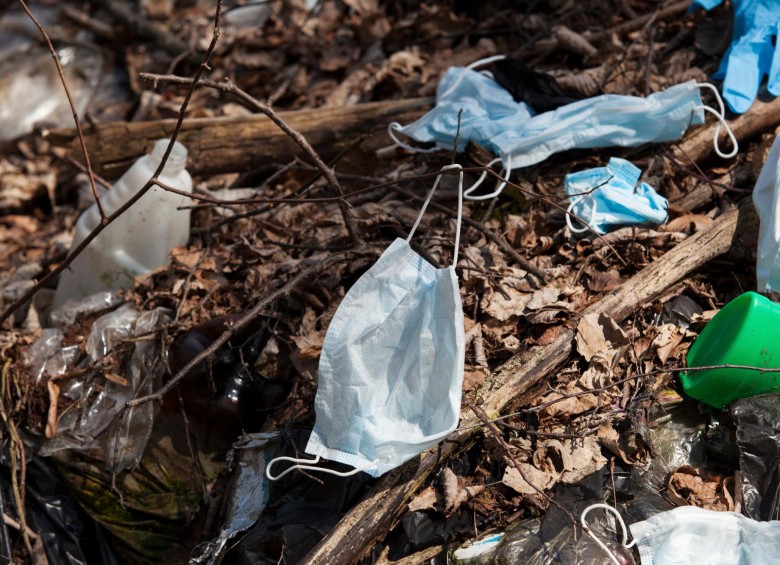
[478, 552]
[742, 333]
[758, 438]
[539, 90]
[69, 536]
[752, 53]
[300, 512]
[678, 311]
[30, 88]
[609, 197]
[247, 496]
[766, 198]
[140, 239]
[99, 423]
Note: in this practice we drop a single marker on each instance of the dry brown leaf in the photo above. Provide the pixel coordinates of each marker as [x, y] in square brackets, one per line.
[599, 334]
[690, 224]
[611, 439]
[504, 303]
[424, 500]
[698, 487]
[516, 482]
[473, 379]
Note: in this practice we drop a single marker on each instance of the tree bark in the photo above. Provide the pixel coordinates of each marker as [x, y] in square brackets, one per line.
[224, 145]
[369, 521]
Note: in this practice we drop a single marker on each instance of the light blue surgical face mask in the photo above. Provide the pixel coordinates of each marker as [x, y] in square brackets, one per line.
[391, 368]
[602, 121]
[488, 110]
[689, 534]
[607, 197]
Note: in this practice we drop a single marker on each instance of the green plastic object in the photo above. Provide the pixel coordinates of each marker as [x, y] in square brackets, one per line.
[745, 332]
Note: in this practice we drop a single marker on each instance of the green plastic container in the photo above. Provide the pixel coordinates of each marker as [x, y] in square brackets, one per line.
[745, 332]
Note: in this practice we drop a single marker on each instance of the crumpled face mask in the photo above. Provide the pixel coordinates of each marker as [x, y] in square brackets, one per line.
[607, 197]
[766, 198]
[496, 121]
[488, 110]
[391, 368]
[690, 534]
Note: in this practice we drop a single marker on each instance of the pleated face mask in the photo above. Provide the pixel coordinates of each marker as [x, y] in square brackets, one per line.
[391, 368]
[506, 127]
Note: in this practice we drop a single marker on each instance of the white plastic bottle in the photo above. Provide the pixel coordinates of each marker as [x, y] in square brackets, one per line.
[141, 238]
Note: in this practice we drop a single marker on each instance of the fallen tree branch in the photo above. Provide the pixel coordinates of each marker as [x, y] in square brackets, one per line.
[226, 145]
[370, 520]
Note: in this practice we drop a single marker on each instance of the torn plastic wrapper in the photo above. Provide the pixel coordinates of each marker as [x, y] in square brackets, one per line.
[758, 439]
[72, 310]
[99, 423]
[246, 498]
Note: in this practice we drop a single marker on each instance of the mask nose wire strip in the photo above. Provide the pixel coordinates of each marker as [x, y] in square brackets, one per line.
[499, 189]
[308, 465]
[719, 114]
[596, 539]
[569, 212]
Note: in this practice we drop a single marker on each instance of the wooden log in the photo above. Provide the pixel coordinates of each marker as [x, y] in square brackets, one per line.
[224, 145]
[698, 147]
[369, 521]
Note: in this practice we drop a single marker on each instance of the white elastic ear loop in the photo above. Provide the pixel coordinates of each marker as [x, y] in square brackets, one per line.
[569, 213]
[597, 540]
[428, 200]
[395, 126]
[301, 464]
[719, 114]
[499, 189]
[474, 65]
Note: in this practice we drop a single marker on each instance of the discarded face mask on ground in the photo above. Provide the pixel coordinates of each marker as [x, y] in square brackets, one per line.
[690, 534]
[766, 198]
[496, 121]
[391, 368]
[608, 197]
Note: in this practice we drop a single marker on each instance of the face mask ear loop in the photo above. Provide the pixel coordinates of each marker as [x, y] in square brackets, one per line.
[474, 65]
[460, 219]
[480, 180]
[597, 540]
[302, 464]
[428, 199]
[569, 212]
[719, 114]
[395, 126]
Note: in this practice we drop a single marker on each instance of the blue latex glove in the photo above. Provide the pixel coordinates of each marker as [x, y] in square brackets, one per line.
[751, 54]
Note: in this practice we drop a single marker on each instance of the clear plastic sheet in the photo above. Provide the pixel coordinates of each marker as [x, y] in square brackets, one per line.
[69, 312]
[758, 439]
[100, 424]
[30, 88]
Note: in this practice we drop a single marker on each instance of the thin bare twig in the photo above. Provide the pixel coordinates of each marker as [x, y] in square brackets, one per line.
[72, 106]
[230, 87]
[105, 221]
